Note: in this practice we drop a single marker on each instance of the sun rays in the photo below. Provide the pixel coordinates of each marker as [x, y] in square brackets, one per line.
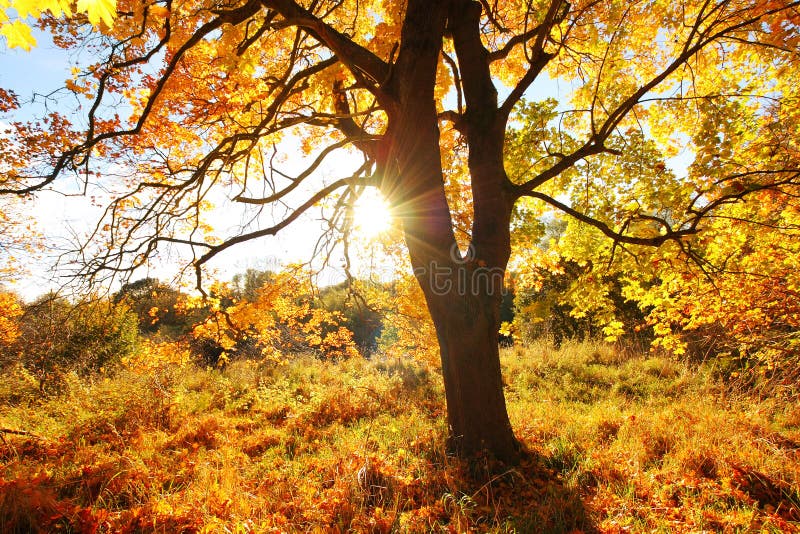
[371, 214]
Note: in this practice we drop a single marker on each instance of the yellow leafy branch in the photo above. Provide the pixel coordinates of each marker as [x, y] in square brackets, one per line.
[15, 27]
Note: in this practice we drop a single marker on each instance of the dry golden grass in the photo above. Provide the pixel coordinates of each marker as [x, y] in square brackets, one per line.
[617, 444]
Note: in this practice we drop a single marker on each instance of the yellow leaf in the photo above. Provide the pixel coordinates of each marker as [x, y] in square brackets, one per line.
[56, 7]
[35, 8]
[159, 11]
[97, 10]
[18, 34]
[28, 7]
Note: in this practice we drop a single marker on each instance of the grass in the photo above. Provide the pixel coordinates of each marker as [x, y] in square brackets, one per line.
[618, 443]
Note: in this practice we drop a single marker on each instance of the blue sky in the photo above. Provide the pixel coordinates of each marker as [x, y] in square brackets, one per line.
[42, 69]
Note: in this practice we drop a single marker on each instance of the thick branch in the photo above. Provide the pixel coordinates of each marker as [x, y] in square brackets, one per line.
[473, 58]
[590, 148]
[357, 58]
[487, 9]
[539, 58]
[670, 235]
[519, 39]
[538, 62]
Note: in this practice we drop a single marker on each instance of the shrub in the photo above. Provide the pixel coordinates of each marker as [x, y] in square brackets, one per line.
[56, 337]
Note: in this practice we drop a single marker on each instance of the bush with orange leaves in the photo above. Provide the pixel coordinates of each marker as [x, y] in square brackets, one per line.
[10, 310]
[281, 319]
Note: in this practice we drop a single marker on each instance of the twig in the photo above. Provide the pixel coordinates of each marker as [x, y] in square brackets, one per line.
[20, 433]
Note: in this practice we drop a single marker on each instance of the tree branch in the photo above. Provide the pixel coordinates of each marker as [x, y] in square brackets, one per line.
[357, 58]
[595, 144]
[273, 230]
[655, 241]
[68, 158]
[513, 42]
[295, 182]
[590, 148]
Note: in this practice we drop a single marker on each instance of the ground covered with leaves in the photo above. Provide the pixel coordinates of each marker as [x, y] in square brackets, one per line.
[617, 443]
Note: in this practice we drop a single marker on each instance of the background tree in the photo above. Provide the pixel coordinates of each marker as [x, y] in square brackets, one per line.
[281, 319]
[159, 307]
[354, 299]
[191, 100]
[55, 337]
[245, 286]
[10, 310]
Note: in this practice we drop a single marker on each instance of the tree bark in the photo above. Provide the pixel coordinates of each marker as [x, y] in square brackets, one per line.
[463, 293]
[466, 312]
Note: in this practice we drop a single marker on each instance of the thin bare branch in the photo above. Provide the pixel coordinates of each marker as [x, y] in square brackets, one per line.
[273, 230]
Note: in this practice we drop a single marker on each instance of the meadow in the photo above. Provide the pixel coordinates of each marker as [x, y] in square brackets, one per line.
[616, 441]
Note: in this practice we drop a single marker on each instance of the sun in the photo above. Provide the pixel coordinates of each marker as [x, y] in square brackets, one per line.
[371, 214]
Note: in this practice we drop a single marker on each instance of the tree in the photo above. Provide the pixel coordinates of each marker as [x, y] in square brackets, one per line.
[352, 299]
[156, 306]
[10, 310]
[280, 318]
[213, 87]
[247, 284]
[55, 336]
[20, 242]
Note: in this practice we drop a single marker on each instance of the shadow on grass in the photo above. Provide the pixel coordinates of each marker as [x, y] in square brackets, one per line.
[527, 498]
[456, 496]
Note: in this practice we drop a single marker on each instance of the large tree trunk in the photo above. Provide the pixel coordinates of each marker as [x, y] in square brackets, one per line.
[463, 294]
[467, 320]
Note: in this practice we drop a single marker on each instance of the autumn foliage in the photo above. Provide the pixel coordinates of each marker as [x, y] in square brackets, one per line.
[280, 319]
[629, 171]
[618, 443]
[10, 310]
